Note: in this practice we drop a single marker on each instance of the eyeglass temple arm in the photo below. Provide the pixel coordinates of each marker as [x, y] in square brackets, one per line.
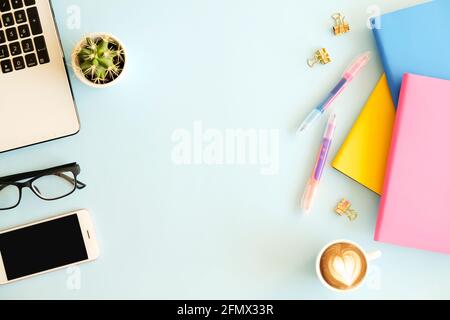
[32, 174]
[80, 185]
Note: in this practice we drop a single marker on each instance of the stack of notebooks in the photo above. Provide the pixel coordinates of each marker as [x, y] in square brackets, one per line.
[395, 147]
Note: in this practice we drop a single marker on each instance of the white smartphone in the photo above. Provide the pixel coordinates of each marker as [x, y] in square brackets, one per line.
[46, 246]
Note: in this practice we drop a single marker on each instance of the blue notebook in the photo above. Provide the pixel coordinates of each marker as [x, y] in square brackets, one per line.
[415, 40]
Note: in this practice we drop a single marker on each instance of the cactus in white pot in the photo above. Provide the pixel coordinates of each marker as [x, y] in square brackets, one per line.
[99, 60]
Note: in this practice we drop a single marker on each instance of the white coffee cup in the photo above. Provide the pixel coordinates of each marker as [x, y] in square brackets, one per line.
[368, 257]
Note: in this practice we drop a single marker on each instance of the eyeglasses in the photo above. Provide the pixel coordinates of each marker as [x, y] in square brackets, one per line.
[49, 185]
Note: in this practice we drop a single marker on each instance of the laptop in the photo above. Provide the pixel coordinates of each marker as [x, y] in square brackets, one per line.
[36, 100]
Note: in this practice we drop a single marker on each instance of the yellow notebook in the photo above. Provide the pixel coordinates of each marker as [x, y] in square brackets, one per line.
[363, 156]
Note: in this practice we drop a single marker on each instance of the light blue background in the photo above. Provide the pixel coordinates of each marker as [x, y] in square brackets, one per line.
[195, 232]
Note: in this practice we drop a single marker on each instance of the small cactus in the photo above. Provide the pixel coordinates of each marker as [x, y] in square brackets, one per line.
[101, 59]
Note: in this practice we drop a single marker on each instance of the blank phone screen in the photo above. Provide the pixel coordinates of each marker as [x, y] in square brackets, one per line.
[42, 247]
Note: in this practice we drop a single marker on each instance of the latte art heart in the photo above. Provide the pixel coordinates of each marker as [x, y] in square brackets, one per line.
[346, 269]
[343, 266]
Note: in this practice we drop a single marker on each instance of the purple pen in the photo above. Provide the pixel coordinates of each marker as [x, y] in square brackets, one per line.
[314, 181]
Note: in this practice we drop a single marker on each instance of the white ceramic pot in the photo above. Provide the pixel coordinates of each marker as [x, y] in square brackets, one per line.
[79, 73]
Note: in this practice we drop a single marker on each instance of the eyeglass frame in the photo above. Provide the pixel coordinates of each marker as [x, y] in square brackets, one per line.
[14, 180]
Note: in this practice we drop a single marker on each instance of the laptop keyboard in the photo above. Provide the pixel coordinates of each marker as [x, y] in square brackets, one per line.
[22, 44]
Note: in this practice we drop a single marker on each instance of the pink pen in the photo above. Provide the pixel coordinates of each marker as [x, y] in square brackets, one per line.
[314, 181]
[348, 76]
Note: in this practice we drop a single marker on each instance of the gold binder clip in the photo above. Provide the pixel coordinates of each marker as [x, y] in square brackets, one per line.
[345, 208]
[341, 26]
[321, 56]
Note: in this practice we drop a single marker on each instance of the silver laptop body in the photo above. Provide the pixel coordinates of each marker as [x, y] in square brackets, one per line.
[36, 101]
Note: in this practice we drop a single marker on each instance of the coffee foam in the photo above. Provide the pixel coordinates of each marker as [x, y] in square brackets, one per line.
[343, 266]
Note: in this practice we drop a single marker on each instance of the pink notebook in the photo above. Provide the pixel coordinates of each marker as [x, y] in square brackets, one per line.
[415, 208]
